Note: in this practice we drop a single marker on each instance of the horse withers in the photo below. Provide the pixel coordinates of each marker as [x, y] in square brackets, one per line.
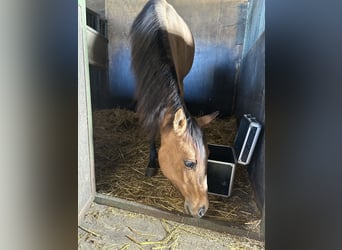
[162, 55]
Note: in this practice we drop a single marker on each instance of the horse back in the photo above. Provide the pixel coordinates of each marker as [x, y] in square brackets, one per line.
[178, 45]
[180, 40]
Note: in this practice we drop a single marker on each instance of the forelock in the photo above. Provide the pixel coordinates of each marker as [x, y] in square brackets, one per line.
[195, 133]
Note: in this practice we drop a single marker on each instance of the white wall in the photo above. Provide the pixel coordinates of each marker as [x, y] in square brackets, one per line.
[86, 180]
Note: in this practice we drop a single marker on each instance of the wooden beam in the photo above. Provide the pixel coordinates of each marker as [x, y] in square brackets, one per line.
[135, 207]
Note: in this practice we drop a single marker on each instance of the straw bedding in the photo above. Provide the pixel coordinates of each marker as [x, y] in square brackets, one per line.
[121, 154]
[106, 227]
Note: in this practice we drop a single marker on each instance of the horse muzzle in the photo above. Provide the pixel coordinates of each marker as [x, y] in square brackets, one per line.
[198, 211]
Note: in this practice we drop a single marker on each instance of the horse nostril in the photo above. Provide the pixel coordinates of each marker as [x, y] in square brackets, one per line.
[201, 211]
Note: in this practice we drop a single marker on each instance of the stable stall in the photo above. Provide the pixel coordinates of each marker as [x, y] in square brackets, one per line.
[227, 76]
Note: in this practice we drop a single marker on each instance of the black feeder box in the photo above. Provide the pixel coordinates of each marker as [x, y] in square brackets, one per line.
[222, 159]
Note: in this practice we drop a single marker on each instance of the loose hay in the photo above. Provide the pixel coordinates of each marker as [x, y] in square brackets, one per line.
[121, 156]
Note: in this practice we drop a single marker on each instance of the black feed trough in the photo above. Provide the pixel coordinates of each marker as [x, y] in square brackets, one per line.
[222, 159]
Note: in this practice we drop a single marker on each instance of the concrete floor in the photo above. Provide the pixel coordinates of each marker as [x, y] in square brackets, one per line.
[106, 227]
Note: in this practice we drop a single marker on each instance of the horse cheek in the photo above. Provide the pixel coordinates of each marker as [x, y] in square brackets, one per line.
[164, 159]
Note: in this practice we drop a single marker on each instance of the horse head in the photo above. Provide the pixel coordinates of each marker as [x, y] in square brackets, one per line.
[183, 157]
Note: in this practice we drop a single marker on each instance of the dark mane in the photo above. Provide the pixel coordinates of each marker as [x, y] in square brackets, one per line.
[157, 90]
[195, 133]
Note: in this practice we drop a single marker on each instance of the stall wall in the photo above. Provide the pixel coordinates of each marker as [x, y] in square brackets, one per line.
[98, 68]
[86, 181]
[97, 48]
[218, 28]
[98, 6]
[250, 94]
[255, 25]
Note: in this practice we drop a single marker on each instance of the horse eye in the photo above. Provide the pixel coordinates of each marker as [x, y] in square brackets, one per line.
[190, 164]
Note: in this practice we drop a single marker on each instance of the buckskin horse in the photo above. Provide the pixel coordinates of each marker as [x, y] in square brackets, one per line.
[162, 53]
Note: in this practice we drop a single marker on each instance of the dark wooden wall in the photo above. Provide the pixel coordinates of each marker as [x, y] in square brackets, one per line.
[251, 99]
[250, 92]
[99, 86]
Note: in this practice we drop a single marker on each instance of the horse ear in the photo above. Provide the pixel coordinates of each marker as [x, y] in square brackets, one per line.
[204, 120]
[179, 122]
